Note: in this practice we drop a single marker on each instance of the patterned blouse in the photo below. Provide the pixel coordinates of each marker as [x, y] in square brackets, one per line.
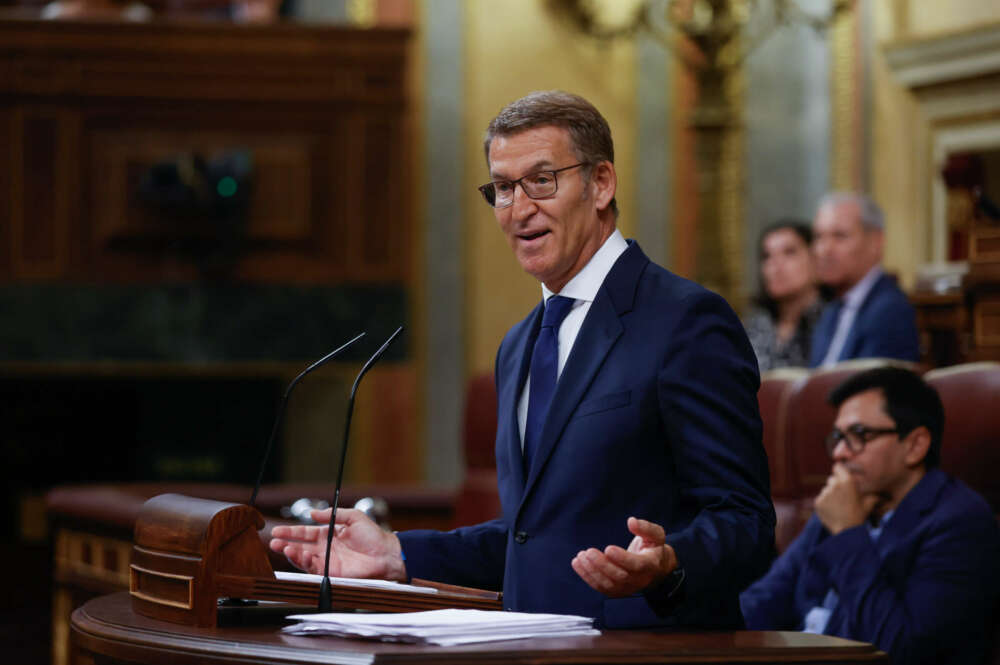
[771, 353]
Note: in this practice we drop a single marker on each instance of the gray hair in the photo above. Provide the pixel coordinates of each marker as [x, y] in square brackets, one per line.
[869, 212]
[588, 130]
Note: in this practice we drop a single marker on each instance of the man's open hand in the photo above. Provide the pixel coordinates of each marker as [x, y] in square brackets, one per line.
[616, 572]
[360, 548]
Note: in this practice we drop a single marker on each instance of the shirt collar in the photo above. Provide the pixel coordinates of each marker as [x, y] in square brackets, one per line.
[585, 284]
[875, 530]
[857, 293]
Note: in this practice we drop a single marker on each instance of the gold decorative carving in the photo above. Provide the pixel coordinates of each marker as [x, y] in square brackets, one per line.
[731, 193]
[362, 13]
[713, 38]
[844, 96]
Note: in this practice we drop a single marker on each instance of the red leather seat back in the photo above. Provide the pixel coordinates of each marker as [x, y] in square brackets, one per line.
[776, 386]
[970, 447]
[480, 427]
[478, 500]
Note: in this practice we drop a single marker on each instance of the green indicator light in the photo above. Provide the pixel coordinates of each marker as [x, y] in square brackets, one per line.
[226, 187]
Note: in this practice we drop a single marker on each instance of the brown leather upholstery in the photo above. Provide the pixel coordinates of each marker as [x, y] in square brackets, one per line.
[480, 427]
[478, 500]
[776, 387]
[971, 443]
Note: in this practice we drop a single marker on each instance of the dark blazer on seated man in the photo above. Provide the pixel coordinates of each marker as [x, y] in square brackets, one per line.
[869, 316]
[885, 327]
[898, 554]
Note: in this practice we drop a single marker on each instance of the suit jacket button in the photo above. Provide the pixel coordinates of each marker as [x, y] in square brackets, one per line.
[521, 537]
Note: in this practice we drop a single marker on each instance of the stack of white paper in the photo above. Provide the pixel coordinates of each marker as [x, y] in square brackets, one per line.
[442, 627]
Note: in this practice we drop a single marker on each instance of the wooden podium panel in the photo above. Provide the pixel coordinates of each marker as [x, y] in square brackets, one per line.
[190, 554]
[106, 630]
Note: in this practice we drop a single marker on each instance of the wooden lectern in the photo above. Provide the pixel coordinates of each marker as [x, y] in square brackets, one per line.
[191, 552]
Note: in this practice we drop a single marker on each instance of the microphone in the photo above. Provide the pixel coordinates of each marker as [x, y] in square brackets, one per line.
[281, 410]
[324, 587]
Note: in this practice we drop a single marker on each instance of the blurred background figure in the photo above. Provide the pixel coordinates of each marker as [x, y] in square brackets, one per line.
[869, 316]
[239, 11]
[100, 9]
[780, 326]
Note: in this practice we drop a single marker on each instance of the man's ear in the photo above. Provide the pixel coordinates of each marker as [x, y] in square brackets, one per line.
[918, 444]
[604, 182]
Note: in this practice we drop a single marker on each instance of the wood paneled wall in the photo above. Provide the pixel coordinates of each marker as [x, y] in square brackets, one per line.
[87, 108]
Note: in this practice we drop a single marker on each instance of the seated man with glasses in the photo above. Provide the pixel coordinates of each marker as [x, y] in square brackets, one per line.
[898, 553]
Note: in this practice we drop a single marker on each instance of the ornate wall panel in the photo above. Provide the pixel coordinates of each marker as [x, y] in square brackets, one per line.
[94, 108]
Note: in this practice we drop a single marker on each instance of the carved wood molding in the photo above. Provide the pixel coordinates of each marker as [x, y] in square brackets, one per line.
[91, 108]
[96, 58]
[947, 58]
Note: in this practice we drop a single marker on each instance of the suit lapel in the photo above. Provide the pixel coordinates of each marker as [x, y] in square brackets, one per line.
[521, 353]
[598, 334]
[849, 350]
[824, 335]
[911, 510]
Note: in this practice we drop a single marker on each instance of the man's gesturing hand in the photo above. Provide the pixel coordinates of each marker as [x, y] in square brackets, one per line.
[840, 505]
[616, 572]
[360, 548]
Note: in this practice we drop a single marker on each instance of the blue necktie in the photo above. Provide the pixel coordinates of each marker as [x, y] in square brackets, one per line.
[544, 372]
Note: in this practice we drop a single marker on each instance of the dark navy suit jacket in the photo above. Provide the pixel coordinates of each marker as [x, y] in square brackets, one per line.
[885, 327]
[655, 416]
[924, 591]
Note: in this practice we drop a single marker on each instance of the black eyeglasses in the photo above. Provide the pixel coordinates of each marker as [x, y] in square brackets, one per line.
[537, 185]
[856, 436]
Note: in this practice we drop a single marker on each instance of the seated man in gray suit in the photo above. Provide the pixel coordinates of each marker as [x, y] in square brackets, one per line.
[869, 317]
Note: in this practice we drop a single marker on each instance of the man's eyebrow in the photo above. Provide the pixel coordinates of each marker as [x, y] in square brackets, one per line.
[540, 165]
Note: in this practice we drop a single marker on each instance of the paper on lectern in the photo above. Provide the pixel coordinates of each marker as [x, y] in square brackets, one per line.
[442, 627]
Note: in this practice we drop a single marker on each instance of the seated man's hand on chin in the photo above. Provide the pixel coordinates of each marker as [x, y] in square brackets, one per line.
[617, 573]
[360, 548]
[840, 505]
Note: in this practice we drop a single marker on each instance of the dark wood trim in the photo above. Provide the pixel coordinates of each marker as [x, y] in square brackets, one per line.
[107, 629]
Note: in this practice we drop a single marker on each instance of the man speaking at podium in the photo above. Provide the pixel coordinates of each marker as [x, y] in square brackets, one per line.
[627, 401]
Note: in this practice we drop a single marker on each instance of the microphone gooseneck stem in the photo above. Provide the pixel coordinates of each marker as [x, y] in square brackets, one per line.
[281, 411]
[324, 593]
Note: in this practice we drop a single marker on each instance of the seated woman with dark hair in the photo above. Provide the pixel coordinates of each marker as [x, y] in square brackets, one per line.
[781, 323]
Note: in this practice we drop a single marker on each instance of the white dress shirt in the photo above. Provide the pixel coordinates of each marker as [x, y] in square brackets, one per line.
[582, 288]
